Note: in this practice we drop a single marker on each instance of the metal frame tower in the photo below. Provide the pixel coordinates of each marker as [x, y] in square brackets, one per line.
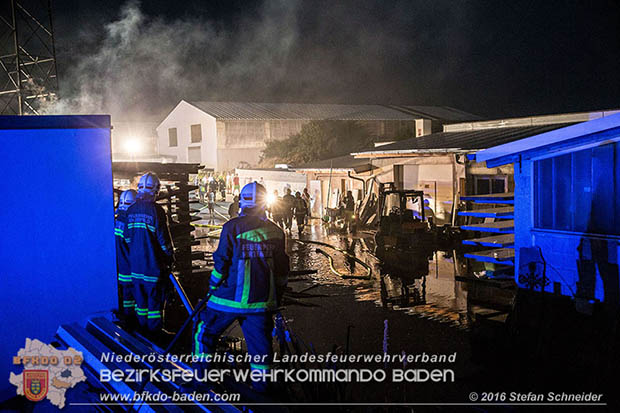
[27, 56]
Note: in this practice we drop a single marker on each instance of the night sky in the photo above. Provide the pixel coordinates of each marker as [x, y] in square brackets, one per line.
[492, 58]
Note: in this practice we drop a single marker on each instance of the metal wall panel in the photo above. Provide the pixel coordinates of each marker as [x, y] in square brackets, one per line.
[57, 244]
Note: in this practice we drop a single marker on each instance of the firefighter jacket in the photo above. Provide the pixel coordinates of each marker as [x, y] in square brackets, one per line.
[300, 207]
[250, 266]
[122, 249]
[150, 244]
[288, 203]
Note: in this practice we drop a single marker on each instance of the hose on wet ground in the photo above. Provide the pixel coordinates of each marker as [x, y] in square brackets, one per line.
[214, 210]
[214, 226]
[333, 269]
[331, 259]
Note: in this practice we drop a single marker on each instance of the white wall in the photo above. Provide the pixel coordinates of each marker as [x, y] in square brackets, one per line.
[432, 174]
[273, 179]
[182, 117]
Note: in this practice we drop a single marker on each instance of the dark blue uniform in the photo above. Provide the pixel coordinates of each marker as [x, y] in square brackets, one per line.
[150, 257]
[123, 267]
[252, 262]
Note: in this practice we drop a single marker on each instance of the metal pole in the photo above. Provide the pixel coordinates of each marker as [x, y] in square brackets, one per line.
[435, 211]
[329, 183]
[49, 9]
[179, 333]
[181, 292]
[17, 60]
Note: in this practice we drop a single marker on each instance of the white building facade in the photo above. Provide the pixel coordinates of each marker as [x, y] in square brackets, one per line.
[229, 135]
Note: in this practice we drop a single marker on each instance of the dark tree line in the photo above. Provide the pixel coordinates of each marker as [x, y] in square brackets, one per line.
[319, 140]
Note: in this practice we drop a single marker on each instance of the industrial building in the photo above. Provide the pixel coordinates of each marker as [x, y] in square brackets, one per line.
[566, 241]
[438, 163]
[227, 135]
[567, 209]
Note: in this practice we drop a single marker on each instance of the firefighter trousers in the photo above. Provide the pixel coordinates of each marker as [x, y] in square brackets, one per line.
[128, 302]
[149, 296]
[257, 329]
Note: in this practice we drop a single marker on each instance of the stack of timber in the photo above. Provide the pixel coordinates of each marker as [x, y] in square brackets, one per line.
[175, 198]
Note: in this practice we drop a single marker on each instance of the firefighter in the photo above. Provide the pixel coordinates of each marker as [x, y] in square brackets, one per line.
[349, 211]
[125, 284]
[288, 204]
[249, 276]
[233, 208]
[276, 210]
[301, 210]
[306, 197]
[150, 254]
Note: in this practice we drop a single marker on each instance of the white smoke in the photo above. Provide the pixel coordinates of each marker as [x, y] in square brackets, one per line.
[139, 67]
[146, 65]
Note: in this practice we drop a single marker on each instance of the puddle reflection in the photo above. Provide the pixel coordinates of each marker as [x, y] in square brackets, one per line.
[420, 284]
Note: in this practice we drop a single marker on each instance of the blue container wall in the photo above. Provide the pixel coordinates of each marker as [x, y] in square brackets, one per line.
[581, 263]
[57, 244]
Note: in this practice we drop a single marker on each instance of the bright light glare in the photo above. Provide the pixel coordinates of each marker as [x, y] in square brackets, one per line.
[270, 199]
[132, 146]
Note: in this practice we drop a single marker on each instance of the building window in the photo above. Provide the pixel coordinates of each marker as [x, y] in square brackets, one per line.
[193, 154]
[196, 133]
[172, 137]
[579, 191]
[490, 184]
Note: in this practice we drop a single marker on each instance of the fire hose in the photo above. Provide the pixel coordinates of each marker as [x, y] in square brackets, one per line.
[193, 312]
[335, 271]
[213, 234]
[331, 259]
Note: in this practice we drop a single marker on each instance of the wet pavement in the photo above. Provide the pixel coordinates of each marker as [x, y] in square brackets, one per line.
[428, 282]
[361, 316]
[413, 309]
[428, 290]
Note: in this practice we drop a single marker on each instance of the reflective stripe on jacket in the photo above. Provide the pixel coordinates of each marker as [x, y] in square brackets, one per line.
[122, 249]
[150, 244]
[252, 259]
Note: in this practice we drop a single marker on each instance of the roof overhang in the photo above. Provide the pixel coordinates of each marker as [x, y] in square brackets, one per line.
[405, 153]
[571, 138]
[324, 170]
[356, 169]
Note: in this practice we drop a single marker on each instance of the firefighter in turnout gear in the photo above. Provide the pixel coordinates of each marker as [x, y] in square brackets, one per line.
[150, 253]
[301, 211]
[249, 276]
[125, 285]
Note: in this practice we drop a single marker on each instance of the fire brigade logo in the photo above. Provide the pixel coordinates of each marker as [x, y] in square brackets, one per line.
[48, 372]
[35, 384]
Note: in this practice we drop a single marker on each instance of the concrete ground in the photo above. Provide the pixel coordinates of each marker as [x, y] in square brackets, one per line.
[349, 316]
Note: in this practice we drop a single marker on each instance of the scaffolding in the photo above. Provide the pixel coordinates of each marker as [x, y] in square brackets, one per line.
[27, 56]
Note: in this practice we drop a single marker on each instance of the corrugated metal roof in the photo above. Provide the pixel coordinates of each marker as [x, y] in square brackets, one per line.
[340, 162]
[440, 113]
[570, 138]
[301, 111]
[461, 141]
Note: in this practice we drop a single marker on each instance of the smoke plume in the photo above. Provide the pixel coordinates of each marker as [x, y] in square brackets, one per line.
[141, 66]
